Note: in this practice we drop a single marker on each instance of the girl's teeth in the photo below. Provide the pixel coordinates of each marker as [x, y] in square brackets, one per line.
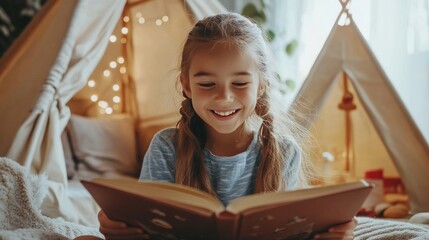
[225, 113]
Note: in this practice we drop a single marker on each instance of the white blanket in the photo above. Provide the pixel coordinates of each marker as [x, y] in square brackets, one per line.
[21, 196]
[380, 229]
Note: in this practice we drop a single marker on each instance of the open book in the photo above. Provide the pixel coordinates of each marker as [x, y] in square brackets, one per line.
[173, 211]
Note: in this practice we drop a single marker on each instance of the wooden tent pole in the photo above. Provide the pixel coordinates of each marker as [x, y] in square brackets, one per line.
[347, 105]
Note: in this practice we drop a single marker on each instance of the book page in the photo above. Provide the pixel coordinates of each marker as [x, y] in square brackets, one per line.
[264, 199]
[167, 192]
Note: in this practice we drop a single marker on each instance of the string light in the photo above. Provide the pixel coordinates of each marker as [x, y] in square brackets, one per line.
[91, 83]
[115, 87]
[116, 99]
[113, 64]
[106, 73]
[158, 21]
[94, 98]
[109, 110]
[113, 38]
[103, 104]
[124, 30]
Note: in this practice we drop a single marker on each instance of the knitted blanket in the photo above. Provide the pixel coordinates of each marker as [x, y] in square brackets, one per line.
[380, 229]
[21, 196]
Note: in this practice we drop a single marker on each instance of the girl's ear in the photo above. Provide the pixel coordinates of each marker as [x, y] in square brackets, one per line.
[184, 80]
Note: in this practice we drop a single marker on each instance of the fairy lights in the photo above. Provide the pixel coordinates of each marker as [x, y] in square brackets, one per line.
[94, 98]
[124, 30]
[113, 64]
[116, 99]
[106, 73]
[91, 83]
[110, 103]
[113, 38]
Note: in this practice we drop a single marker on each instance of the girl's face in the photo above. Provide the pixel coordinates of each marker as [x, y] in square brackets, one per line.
[223, 84]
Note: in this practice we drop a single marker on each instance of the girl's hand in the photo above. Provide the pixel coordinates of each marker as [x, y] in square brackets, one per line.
[119, 230]
[342, 231]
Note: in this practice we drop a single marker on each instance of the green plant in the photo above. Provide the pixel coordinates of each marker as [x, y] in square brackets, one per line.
[259, 15]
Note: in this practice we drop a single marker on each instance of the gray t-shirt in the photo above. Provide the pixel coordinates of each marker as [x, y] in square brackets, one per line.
[231, 177]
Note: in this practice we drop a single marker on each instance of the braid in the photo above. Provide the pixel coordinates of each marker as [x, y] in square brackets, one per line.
[190, 169]
[269, 176]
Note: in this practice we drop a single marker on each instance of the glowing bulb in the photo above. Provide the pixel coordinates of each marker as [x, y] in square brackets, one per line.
[113, 64]
[106, 73]
[158, 22]
[109, 110]
[126, 19]
[165, 18]
[123, 40]
[116, 99]
[120, 60]
[122, 70]
[91, 83]
[115, 87]
[142, 20]
[113, 38]
[94, 98]
[124, 30]
[139, 15]
[103, 104]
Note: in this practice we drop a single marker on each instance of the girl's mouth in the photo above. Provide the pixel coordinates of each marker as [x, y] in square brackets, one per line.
[225, 113]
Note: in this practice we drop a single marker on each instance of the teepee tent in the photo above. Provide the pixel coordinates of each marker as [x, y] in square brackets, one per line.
[49, 65]
[357, 116]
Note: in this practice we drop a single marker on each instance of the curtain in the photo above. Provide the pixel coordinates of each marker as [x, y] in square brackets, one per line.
[37, 144]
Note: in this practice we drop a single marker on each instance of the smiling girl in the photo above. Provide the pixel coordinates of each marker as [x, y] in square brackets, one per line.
[233, 139]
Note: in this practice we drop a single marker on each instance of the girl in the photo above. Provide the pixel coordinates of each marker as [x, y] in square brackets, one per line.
[232, 139]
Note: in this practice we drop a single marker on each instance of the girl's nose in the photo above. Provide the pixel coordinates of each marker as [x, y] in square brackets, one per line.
[225, 94]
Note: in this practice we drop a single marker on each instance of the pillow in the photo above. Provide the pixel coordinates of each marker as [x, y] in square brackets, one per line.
[104, 146]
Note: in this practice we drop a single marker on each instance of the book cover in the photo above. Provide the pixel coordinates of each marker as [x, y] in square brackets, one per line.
[173, 211]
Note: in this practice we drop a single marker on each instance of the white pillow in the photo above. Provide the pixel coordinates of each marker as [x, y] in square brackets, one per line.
[104, 146]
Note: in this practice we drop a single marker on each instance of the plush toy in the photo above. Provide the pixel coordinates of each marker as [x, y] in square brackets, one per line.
[394, 206]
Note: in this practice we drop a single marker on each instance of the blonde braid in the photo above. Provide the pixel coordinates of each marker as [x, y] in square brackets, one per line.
[190, 169]
[269, 177]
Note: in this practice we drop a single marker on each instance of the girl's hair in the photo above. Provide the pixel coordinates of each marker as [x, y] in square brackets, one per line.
[275, 127]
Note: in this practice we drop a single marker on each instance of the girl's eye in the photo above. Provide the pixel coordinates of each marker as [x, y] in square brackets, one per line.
[206, 85]
[240, 84]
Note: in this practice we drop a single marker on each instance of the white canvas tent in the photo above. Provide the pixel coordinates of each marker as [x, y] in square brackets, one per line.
[384, 132]
[50, 63]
